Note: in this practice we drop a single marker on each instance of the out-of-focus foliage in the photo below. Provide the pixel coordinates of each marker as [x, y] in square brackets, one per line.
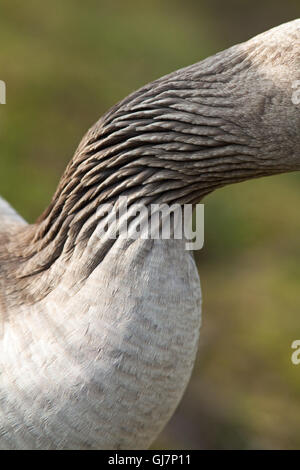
[64, 64]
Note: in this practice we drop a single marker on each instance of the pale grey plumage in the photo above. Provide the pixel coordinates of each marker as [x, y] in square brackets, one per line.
[99, 337]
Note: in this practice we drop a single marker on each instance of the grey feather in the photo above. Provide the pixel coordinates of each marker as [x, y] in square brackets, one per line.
[99, 337]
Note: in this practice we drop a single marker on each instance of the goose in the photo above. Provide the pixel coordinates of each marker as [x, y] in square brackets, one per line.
[98, 335]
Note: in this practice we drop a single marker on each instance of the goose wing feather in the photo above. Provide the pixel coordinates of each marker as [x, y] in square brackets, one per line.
[8, 215]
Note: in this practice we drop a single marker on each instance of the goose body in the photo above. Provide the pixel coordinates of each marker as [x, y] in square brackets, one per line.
[91, 360]
[98, 337]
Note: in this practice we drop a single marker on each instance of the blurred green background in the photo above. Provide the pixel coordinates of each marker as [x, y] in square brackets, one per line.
[65, 63]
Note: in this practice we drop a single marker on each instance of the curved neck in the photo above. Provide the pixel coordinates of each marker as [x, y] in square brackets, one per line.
[175, 140]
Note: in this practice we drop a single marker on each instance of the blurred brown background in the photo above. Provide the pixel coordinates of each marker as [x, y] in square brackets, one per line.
[65, 63]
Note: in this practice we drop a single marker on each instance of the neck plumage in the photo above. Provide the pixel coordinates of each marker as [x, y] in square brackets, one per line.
[175, 140]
